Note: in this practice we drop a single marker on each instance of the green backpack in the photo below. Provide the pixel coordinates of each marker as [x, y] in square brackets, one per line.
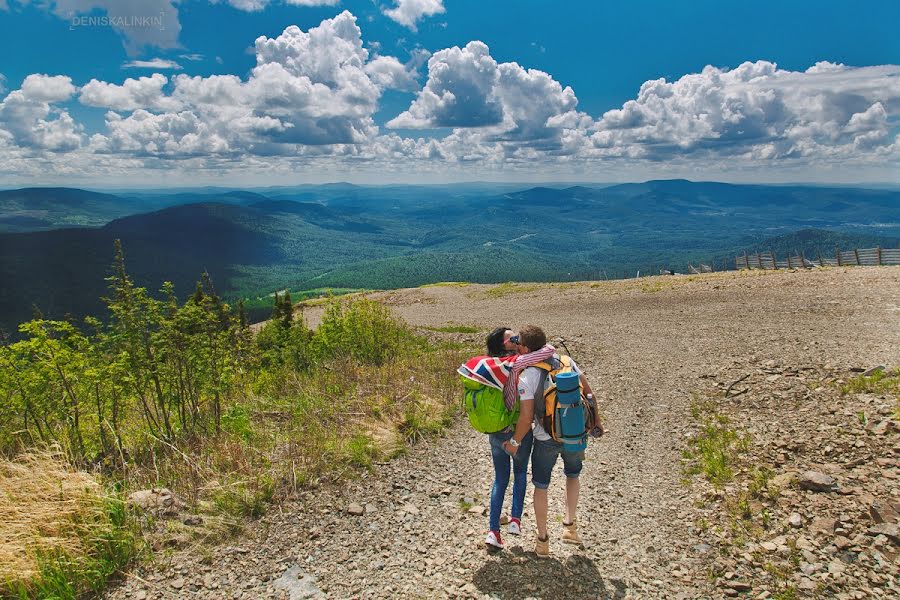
[485, 407]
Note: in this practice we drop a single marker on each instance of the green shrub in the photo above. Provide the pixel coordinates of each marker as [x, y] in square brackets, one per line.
[361, 329]
[715, 450]
[236, 421]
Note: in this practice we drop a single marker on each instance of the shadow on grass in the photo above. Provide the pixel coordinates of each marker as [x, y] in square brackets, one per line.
[518, 574]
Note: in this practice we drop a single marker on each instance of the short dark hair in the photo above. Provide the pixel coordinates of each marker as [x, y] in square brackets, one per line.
[495, 341]
[532, 337]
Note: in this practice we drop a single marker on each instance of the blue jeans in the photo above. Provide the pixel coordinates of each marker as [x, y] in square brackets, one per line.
[501, 475]
[544, 459]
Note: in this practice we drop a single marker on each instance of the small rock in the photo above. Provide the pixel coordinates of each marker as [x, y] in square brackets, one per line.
[740, 586]
[410, 509]
[890, 530]
[873, 370]
[371, 508]
[477, 510]
[193, 520]
[177, 583]
[784, 480]
[795, 520]
[815, 481]
[504, 520]
[883, 511]
[355, 510]
[823, 525]
[140, 595]
[297, 585]
[155, 500]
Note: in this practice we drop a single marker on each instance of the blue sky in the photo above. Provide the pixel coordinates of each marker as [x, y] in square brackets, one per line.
[778, 91]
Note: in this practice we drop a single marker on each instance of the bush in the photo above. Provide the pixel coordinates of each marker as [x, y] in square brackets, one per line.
[363, 330]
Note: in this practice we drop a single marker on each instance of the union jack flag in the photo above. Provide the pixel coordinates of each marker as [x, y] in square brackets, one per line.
[492, 371]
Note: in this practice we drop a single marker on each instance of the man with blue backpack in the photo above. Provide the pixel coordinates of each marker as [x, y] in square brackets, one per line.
[556, 397]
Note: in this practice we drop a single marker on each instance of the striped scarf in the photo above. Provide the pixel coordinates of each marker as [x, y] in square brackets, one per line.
[511, 387]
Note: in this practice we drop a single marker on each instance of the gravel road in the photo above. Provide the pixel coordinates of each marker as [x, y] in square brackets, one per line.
[646, 346]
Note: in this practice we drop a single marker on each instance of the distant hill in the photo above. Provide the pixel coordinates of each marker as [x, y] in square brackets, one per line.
[35, 209]
[392, 236]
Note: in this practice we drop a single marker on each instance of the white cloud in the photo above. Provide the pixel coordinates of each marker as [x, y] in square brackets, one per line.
[459, 91]
[144, 92]
[257, 5]
[389, 73]
[31, 121]
[467, 88]
[191, 57]
[309, 88]
[409, 12]
[153, 63]
[756, 110]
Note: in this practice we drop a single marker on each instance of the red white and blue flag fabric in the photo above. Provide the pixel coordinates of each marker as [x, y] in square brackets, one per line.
[503, 372]
[492, 371]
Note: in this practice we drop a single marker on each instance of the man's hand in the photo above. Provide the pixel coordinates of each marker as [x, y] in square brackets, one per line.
[510, 449]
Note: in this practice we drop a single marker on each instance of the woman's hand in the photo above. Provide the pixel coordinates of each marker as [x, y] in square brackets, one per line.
[510, 449]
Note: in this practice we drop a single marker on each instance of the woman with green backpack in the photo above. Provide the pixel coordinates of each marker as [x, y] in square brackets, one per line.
[498, 344]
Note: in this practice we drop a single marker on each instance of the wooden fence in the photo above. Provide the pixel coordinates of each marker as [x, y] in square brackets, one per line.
[869, 257]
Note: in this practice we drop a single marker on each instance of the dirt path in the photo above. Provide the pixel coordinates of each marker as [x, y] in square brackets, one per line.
[644, 345]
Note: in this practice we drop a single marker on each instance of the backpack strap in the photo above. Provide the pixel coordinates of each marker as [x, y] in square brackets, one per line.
[547, 367]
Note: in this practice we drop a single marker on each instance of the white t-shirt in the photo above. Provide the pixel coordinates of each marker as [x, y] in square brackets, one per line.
[528, 382]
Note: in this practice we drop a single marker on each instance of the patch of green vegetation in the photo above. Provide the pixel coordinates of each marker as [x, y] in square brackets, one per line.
[714, 451]
[505, 289]
[447, 284]
[361, 451]
[245, 498]
[884, 382]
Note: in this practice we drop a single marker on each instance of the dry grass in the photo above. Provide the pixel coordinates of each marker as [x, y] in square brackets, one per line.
[45, 505]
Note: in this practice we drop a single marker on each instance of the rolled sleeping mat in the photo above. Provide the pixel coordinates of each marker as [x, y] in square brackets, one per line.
[570, 417]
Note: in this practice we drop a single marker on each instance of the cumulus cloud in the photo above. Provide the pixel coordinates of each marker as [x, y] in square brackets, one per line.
[153, 63]
[133, 94]
[30, 120]
[410, 12]
[756, 110]
[467, 88]
[257, 5]
[309, 88]
[389, 73]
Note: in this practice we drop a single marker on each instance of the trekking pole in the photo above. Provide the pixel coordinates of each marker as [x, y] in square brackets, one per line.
[563, 342]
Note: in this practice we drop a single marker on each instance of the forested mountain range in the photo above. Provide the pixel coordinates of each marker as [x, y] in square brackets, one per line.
[254, 242]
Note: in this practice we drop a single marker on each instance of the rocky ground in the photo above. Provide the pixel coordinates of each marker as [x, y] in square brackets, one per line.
[652, 348]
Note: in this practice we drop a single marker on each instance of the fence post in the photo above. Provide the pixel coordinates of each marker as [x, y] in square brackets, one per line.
[856, 254]
[837, 253]
[789, 261]
[774, 261]
[878, 254]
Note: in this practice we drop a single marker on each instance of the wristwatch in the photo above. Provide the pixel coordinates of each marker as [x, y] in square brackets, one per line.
[513, 442]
